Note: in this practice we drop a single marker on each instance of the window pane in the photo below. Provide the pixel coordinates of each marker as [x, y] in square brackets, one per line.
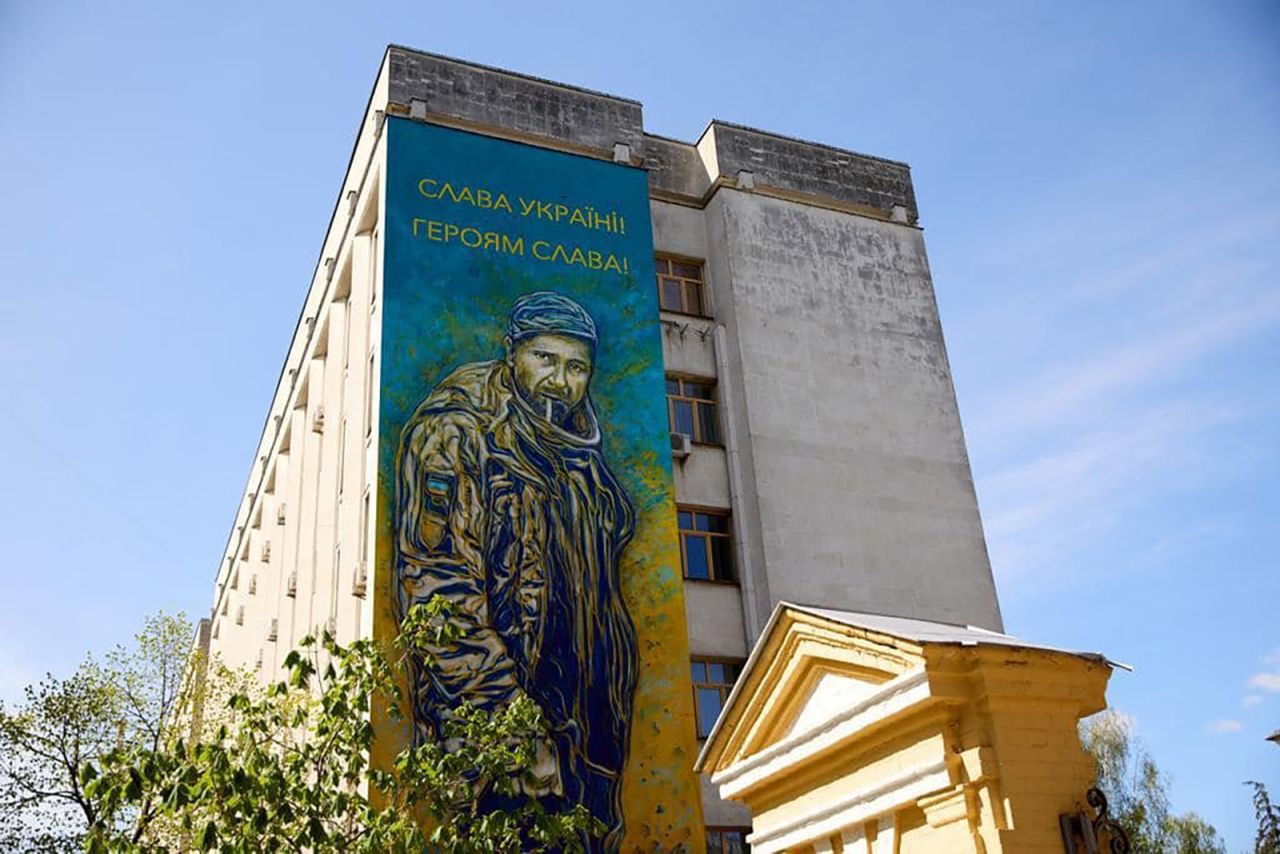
[688, 271]
[708, 710]
[684, 520]
[693, 298]
[699, 670]
[670, 295]
[702, 391]
[695, 550]
[683, 411]
[722, 559]
[662, 265]
[731, 673]
[713, 842]
[715, 672]
[673, 386]
[734, 844]
[702, 521]
[708, 424]
[715, 523]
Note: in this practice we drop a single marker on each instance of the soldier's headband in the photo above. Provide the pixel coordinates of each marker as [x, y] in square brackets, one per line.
[548, 313]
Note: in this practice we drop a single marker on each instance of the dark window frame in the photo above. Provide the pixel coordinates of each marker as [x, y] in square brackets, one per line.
[723, 688]
[696, 404]
[677, 271]
[727, 535]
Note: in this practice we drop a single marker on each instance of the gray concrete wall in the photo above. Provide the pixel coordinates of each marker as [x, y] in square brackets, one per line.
[515, 102]
[814, 169]
[856, 477]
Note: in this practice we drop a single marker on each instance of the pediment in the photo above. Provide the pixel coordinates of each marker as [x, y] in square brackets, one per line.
[805, 670]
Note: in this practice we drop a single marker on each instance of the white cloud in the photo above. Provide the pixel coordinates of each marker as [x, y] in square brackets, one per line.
[1266, 682]
[1251, 700]
[1221, 727]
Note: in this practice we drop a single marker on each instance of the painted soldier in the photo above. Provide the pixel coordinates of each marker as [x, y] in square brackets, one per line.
[506, 507]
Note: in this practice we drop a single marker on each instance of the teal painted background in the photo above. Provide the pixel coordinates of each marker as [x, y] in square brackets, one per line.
[445, 304]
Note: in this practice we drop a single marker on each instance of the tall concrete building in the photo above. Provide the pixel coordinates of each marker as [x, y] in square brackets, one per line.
[816, 449]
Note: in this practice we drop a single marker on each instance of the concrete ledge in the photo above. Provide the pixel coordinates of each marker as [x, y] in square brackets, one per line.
[433, 87]
[503, 99]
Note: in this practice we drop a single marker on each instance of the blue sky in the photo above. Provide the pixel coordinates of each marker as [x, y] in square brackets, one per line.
[1098, 183]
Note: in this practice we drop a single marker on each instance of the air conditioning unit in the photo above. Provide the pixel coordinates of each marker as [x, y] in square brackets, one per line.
[681, 445]
[266, 550]
[215, 631]
[331, 626]
[235, 580]
[291, 587]
[240, 615]
[280, 515]
[317, 420]
[274, 631]
[360, 581]
[258, 664]
[253, 584]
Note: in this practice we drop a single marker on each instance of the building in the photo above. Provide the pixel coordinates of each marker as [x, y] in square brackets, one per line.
[910, 736]
[816, 449]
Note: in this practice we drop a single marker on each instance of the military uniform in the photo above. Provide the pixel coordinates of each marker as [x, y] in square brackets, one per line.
[520, 524]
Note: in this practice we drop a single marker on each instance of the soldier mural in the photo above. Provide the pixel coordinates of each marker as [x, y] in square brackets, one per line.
[524, 471]
[506, 507]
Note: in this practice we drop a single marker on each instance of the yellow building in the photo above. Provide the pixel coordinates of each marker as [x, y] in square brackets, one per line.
[867, 734]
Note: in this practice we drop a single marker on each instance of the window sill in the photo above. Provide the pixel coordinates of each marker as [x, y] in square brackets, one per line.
[717, 581]
[685, 314]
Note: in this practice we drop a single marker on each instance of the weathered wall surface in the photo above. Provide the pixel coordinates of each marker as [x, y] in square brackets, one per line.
[858, 474]
[819, 170]
[501, 99]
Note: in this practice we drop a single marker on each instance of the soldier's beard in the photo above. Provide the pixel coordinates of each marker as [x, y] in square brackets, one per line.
[553, 409]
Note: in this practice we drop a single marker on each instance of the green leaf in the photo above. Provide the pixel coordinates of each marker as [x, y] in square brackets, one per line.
[208, 840]
[316, 831]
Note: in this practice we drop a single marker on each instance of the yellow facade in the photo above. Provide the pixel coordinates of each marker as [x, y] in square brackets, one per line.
[854, 733]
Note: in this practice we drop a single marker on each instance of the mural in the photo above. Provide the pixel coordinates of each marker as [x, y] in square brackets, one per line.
[523, 466]
[506, 507]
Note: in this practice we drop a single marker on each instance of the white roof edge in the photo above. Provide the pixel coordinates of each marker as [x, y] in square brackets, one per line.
[950, 633]
[737, 686]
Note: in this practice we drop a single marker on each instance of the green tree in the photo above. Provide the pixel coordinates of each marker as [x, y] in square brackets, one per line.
[1137, 792]
[63, 725]
[1267, 839]
[287, 767]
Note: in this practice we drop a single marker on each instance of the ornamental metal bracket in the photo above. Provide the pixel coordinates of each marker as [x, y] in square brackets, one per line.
[1083, 834]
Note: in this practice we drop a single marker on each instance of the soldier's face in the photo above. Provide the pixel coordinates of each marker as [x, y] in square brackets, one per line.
[552, 372]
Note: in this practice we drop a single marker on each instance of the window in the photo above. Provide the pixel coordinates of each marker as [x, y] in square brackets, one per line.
[692, 409]
[728, 840]
[342, 456]
[680, 286]
[712, 681]
[706, 549]
[368, 398]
